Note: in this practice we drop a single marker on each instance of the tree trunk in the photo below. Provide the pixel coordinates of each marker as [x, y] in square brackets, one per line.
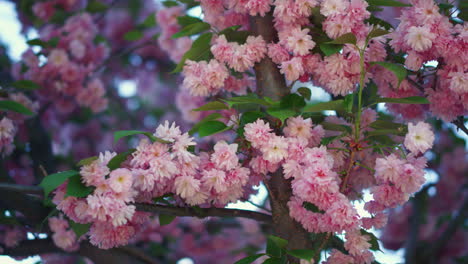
[270, 82]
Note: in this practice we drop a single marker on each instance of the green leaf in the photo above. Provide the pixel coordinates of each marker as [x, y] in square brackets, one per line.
[165, 219]
[305, 92]
[115, 162]
[86, 161]
[76, 188]
[150, 21]
[233, 35]
[214, 105]
[246, 99]
[15, 107]
[237, 36]
[398, 69]
[249, 259]
[133, 35]
[209, 117]
[404, 100]
[387, 3]
[336, 105]
[96, 7]
[211, 127]
[373, 20]
[187, 20]
[246, 118]
[306, 254]
[336, 127]
[292, 101]
[312, 207]
[374, 241]
[330, 49]
[280, 242]
[377, 32]
[37, 42]
[26, 85]
[125, 133]
[327, 140]
[200, 50]
[52, 181]
[273, 261]
[281, 113]
[400, 132]
[384, 124]
[275, 246]
[170, 3]
[347, 38]
[79, 229]
[348, 103]
[192, 29]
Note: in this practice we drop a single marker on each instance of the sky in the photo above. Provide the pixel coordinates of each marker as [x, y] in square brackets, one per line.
[10, 35]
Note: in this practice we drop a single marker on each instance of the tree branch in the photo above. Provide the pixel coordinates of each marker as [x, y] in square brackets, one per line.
[26, 189]
[203, 212]
[270, 82]
[19, 191]
[452, 227]
[122, 255]
[460, 124]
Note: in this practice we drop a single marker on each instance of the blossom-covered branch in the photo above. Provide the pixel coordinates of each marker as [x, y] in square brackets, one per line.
[203, 212]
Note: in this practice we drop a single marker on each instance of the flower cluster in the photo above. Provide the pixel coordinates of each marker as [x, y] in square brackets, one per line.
[153, 170]
[63, 237]
[203, 79]
[167, 20]
[11, 121]
[72, 56]
[326, 179]
[239, 57]
[427, 35]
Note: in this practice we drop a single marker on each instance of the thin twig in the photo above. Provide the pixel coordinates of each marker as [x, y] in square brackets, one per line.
[259, 206]
[27, 189]
[137, 253]
[460, 124]
[203, 212]
[322, 245]
[452, 227]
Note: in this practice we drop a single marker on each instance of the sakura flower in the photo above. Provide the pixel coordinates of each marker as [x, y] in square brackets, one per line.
[292, 69]
[419, 138]
[94, 173]
[356, 243]
[275, 150]
[459, 82]
[215, 179]
[298, 127]
[181, 145]
[186, 186]
[389, 168]
[57, 57]
[120, 180]
[225, 156]
[299, 41]
[104, 235]
[333, 7]
[258, 132]
[166, 132]
[64, 239]
[277, 53]
[260, 7]
[420, 38]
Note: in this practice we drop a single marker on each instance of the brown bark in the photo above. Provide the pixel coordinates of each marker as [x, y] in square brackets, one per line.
[35, 213]
[270, 82]
[46, 246]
